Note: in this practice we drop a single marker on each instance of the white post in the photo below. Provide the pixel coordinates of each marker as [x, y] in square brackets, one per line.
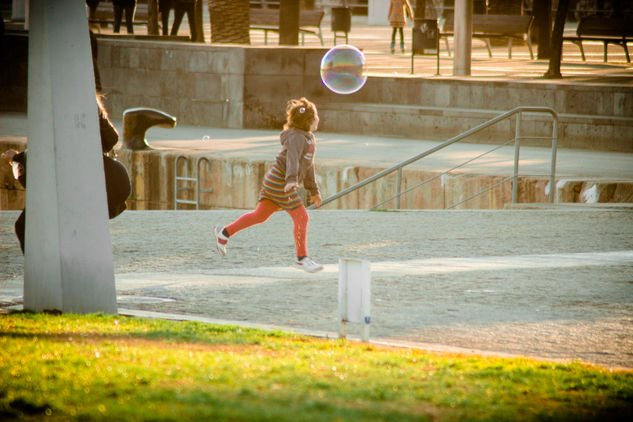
[354, 294]
[68, 253]
[463, 26]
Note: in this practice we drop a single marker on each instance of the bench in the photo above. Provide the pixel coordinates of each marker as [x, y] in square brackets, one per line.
[268, 20]
[104, 14]
[518, 27]
[608, 30]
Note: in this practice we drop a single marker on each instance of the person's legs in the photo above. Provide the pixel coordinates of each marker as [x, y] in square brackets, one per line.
[260, 214]
[192, 21]
[393, 38]
[118, 15]
[92, 8]
[401, 30]
[300, 219]
[163, 9]
[129, 19]
[179, 12]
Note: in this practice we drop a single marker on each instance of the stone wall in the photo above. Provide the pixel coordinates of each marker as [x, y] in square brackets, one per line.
[199, 84]
[590, 116]
[248, 87]
[235, 183]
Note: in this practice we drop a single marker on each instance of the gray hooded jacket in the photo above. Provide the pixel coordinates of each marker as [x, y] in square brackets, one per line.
[296, 158]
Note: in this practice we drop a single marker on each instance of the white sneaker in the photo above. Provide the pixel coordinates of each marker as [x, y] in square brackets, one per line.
[220, 240]
[309, 265]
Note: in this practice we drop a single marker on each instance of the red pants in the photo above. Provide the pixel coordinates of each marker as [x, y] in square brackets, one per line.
[262, 213]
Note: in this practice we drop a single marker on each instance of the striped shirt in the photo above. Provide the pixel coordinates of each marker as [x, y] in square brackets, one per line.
[273, 190]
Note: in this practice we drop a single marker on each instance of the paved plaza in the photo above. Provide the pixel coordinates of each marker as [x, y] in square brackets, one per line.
[552, 283]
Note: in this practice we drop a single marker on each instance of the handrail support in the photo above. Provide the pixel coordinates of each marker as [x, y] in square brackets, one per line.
[517, 147]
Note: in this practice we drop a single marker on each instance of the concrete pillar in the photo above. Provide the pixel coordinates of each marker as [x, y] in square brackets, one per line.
[463, 37]
[68, 253]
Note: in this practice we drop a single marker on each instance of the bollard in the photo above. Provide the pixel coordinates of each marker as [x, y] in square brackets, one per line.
[136, 121]
[354, 294]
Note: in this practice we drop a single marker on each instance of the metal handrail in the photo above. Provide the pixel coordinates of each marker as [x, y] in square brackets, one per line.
[430, 179]
[518, 110]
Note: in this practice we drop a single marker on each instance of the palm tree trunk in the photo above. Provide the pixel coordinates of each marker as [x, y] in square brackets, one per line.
[556, 50]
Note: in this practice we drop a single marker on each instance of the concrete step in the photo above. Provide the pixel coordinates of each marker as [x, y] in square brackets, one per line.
[577, 131]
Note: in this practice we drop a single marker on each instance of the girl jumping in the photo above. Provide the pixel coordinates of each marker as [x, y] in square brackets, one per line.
[293, 166]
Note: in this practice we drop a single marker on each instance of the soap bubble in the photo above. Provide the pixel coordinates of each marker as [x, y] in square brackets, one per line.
[343, 69]
[206, 138]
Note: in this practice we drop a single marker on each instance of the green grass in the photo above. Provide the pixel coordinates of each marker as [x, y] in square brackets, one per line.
[99, 367]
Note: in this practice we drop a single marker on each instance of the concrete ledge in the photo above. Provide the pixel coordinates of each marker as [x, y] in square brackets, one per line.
[570, 206]
[236, 183]
[610, 133]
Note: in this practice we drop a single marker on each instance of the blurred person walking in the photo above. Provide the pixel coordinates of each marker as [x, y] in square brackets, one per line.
[398, 11]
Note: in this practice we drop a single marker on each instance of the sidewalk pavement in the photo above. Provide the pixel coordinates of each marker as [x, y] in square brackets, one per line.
[552, 284]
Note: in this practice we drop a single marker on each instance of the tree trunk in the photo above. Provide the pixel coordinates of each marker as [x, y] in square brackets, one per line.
[556, 50]
[543, 25]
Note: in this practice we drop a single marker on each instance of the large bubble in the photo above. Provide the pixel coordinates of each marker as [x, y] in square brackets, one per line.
[343, 69]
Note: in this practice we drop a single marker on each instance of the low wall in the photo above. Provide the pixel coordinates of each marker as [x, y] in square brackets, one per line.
[199, 84]
[248, 87]
[235, 183]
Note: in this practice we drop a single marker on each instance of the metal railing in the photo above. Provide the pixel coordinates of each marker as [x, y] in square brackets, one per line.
[188, 179]
[517, 145]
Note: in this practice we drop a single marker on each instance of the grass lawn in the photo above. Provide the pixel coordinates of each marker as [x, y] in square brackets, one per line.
[101, 367]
